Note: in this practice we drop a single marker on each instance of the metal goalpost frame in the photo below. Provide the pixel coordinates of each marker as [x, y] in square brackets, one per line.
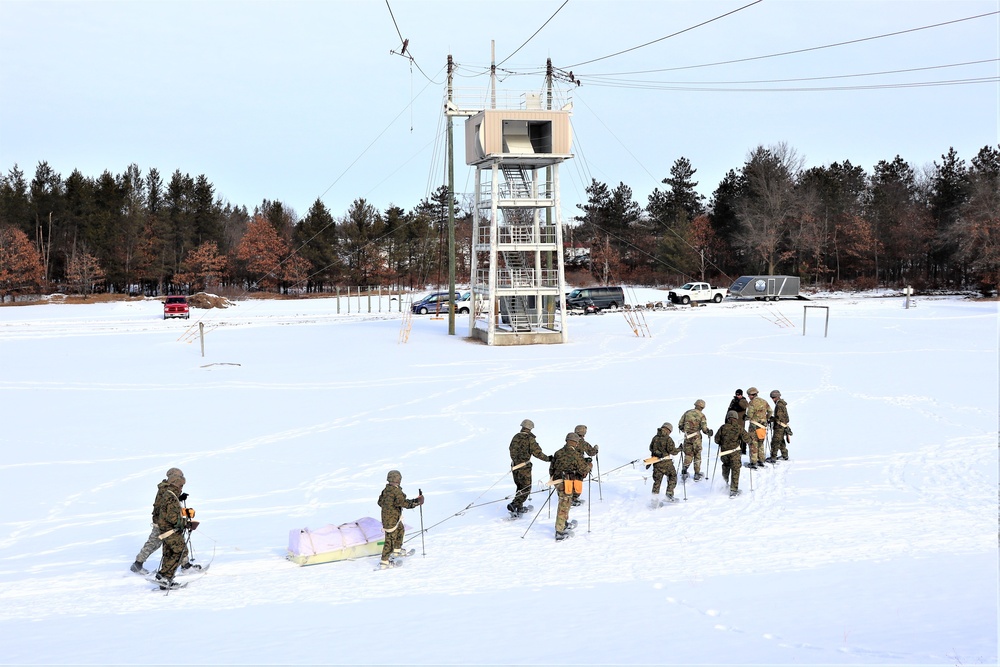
[826, 326]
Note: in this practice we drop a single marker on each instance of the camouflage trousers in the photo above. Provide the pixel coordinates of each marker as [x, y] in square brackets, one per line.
[756, 446]
[174, 551]
[522, 480]
[692, 452]
[562, 512]
[778, 447]
[393, 540]
[152, 544]
[661, 469]
[731, 464]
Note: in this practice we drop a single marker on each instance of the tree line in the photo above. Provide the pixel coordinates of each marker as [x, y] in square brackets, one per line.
[134, 232]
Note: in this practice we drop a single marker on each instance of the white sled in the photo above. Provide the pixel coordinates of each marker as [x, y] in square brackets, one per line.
[330, 543]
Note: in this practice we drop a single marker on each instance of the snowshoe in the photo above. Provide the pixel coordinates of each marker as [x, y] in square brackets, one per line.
[563, 534]
[698, 476]
[190, 567]
[669, 499]
[385, 565]
[139, 569]
[733, 494]
[571, 524]
[166, 584]
[525, 509]
[576, 502]
[401, 553]
[784, 458]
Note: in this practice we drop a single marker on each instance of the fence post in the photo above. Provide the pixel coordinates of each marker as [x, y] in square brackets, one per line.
[201, 333]
[338, 299]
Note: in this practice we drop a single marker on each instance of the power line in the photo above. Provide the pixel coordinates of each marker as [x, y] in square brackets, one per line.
[405, 45]
[679, 32]
[810, 89]
[608, 80]
[796, 51]
[566, 2]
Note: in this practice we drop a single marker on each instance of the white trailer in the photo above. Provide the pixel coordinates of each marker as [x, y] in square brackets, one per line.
[768, 288]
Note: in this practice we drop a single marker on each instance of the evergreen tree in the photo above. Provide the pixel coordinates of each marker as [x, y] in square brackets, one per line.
[318, 242]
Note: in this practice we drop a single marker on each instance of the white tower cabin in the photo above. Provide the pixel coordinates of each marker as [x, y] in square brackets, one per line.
[517, 258]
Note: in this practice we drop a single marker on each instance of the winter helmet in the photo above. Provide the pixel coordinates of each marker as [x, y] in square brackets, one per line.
[580, 430]
[572, 437]
[700, 404]
[732, 415]
[394, 477]
[752, 391]
[775, 394]
[174, 472]
[668, 426]
[528, 424]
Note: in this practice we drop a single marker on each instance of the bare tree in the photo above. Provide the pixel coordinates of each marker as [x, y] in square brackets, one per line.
[770, 202]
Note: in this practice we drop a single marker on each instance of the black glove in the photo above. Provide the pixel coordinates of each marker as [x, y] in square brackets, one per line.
[587, 459]
[193, 524]
[182, 497]
[648, 466]
[420, 499]
[711, 433]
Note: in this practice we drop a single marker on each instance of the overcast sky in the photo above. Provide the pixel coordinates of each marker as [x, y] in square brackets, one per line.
[295, 101]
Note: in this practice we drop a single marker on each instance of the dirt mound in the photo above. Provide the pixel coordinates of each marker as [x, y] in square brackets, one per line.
[203, 300]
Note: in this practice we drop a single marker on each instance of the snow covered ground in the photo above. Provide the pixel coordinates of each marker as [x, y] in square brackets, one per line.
[875, 544]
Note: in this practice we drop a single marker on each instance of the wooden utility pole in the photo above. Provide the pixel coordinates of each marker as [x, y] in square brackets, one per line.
[451, 211]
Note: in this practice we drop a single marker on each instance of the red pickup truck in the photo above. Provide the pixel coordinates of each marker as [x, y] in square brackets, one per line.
[176, 306]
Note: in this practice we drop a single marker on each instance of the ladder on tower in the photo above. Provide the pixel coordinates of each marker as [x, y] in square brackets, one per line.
[517, 180]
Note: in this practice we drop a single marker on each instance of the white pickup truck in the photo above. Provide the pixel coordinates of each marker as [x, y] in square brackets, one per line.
[697, 292]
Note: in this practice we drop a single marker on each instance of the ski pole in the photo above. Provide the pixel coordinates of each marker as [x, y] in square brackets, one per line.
[551, 491]
[423, 549]
[714, 465]
[683, 477]
[633, 462]
[708, 454]
[590, 487]
[600, 491]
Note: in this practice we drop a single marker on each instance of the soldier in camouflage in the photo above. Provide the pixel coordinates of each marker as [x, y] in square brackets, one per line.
[393, 501]
[153, 542]
[730, 438]
[781, 429]
[522, 447]
[588, 450]
[569, 469]
[662, 446]
[169, 517]
[739, 405]
[759, 412]
[692, 424]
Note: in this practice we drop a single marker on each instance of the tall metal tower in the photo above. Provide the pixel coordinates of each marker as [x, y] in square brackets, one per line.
[517, 258]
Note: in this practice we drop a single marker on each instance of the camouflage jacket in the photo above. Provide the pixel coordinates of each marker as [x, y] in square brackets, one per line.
[167, 507]
[587, 448]
[781, 412]
[568, 463]
[393, 501]
[693, 421]
[759, 411]
[523, 446]
[662, 445]
[729, 436]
